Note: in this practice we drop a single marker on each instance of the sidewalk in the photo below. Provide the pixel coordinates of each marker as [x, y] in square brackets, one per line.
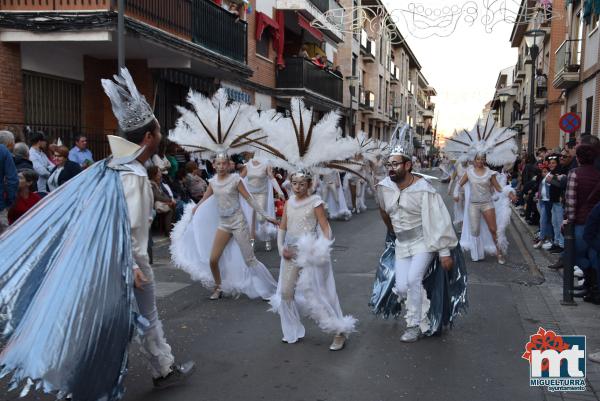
[541, 307]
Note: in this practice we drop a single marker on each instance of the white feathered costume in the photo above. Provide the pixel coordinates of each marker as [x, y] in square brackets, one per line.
[306, 284]
[499, 147]
[213, 126]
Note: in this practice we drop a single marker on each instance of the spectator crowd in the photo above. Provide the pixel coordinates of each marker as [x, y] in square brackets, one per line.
[559, 190]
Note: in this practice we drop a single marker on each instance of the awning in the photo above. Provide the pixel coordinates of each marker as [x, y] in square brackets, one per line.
[304, 24]
[263, 21]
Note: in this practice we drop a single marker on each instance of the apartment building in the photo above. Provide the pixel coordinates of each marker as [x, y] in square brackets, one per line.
[50, 68]
[565, 73]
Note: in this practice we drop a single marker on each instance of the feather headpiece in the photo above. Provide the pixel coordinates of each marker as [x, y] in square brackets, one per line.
[497, 144]
[301, 143]
[215, 126]
[129, 106]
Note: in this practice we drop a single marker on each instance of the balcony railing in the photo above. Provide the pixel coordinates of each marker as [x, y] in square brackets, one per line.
[300, 73]
[200, 21]
[568, 60]
[568, 57]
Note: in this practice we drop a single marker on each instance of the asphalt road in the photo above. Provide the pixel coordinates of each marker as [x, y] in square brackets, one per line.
[237, 342]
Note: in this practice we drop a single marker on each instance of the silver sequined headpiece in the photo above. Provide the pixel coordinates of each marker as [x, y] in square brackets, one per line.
[129, 106]
[306, 174]
[402, 141]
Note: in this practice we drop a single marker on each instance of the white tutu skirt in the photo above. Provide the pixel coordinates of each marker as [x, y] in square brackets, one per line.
[315, 294]
[191, 245]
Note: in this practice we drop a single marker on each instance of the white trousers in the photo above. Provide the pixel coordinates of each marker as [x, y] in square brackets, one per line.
[153, 343]
[409, 285]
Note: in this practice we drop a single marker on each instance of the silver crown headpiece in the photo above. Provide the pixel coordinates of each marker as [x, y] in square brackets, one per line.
[129, 106]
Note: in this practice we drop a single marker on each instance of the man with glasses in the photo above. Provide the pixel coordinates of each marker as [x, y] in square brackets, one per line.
[413, 210]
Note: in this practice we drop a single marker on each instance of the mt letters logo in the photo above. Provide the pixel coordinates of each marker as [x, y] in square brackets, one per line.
[556, 362]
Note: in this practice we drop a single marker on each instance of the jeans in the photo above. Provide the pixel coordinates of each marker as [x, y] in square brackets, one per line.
[581, 248]
[546, 231]
[557, 219]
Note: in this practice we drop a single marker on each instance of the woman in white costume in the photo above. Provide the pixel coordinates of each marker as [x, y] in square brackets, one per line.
[332, 194]
[483, 144]
[306, 285]
[260, 182]
[458, 192]
[355, 184]
[201, 242]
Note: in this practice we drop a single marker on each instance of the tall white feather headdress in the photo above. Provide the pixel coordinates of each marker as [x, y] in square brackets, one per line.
[497, 144]
[300, 143]
[129, 106]
[401, 143]
[215, 126]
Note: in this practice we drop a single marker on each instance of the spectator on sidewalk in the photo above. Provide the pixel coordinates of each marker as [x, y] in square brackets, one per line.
[582, 194]
[65, 169]
[41, 163]
[9, 180]
[545, 210]
[161, 161]
[194, 183]
[170, 155]
[26, 196]
[21, 157]
[164, 201]
[80, 153]
[558, 184]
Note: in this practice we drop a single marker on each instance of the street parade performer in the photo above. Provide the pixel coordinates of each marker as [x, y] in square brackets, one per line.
[487, 207]
[201, 242]
[261, 182]
[418, 265]
[69, 267]
[306, 284]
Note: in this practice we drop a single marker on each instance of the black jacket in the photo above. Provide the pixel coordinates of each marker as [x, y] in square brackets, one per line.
[70, 170]
[22, 164]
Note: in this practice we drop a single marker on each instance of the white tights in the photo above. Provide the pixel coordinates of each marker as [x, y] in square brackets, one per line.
[409, 285]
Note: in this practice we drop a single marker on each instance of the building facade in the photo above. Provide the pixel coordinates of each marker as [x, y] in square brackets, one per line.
[262, 53]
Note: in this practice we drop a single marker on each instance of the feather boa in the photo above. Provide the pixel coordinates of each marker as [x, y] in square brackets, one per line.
[314, 255]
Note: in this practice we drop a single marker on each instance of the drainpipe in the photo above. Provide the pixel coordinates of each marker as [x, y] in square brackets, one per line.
[121, 35]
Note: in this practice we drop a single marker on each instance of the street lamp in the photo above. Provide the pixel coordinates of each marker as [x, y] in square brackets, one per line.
[352, 84]
[534, 40]
[503, 99]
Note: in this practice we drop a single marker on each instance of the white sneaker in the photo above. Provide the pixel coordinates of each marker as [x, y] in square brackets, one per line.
[577, 272]
[547, 245]
[411, 335]
[538, 244]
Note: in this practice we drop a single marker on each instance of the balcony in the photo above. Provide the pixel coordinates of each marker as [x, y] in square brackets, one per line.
[366, 100]
[201, 22]
[316, 12]
[367, 48]
[303, 74]
[568, 61]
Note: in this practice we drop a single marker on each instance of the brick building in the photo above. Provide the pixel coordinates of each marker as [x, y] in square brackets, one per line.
[53, 54]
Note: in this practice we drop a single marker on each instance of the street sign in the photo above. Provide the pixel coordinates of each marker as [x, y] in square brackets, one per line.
[570, 122]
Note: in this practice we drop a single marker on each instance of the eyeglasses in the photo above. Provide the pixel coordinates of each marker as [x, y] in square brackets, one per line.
[393, 165]
[57, 155]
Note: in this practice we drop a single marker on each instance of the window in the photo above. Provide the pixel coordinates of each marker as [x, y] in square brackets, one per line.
[589, 113]
[262, 46]
[593, 22]
[354, 62]
[380, 94]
